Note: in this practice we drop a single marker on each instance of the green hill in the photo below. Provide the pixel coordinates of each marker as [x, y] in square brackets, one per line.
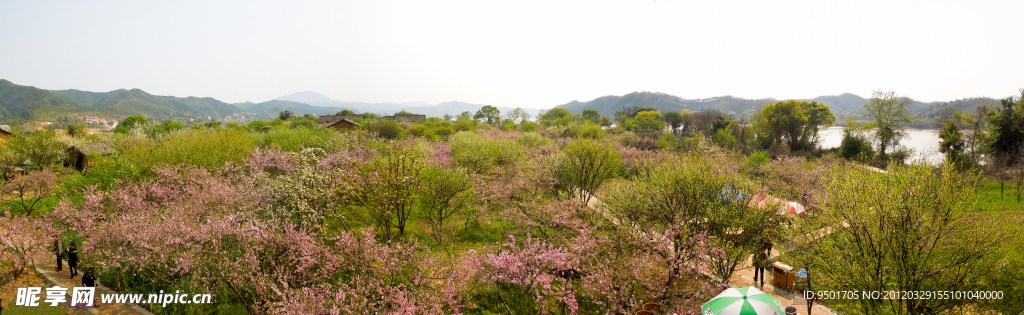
[23, 103]
[18, 103]
[135, 101]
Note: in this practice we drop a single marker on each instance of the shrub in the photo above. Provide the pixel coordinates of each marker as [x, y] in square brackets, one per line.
[855, 146]
[585, 166]
[583, 130]
[201, 147]
[420, 131]
[481, 154]
[387, 129]
[444, 131]
[463, 124]
[528, 126]
[294, 139]
[533, 140]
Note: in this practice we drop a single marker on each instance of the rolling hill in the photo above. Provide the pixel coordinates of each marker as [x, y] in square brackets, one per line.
[23, 103]
[18, 103]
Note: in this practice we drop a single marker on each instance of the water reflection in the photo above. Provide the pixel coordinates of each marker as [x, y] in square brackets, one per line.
[924, 142]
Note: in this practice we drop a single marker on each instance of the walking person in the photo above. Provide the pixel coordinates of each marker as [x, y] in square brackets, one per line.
[73, 260]
[58, 251]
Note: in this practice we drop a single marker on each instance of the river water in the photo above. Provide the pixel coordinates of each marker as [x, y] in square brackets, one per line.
[924, 142]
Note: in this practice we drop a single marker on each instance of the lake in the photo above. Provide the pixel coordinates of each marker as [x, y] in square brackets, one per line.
[924, 142]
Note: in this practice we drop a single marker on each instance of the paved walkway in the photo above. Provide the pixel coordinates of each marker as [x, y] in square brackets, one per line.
[63, 279]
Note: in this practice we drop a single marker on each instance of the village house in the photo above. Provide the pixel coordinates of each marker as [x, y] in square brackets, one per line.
[86, 155]
[5, 133]
[327, 120]
[343, 124]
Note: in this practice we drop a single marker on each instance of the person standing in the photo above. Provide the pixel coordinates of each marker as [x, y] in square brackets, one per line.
[58, 251]
[73, 260]
[760, 261]
[89, 278]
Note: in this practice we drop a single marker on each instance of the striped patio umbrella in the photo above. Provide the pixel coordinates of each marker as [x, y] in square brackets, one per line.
[792, 209]
[743, 301]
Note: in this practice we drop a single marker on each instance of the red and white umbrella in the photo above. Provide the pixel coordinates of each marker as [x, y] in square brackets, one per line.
[792, 208]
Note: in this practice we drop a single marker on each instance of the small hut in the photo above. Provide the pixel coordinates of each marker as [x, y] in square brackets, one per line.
[343, 124]
[330, 119]
[85, 155]
[5, 132]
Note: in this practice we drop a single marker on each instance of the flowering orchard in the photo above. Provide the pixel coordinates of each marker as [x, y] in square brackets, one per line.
[468, 222]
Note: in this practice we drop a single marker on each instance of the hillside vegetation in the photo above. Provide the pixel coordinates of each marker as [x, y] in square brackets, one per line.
[843, 105]
[23, 103]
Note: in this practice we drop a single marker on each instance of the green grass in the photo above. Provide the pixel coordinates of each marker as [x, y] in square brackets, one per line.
[990, 199]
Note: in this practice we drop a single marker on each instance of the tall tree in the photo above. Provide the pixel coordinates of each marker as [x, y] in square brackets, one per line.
[674, 121]
[891, 117]
[488, 113]
[952, 144]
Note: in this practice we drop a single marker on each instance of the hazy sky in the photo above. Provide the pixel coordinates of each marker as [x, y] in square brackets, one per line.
[516, 53]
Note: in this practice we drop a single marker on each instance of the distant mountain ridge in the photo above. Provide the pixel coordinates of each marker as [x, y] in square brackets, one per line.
[423, 108]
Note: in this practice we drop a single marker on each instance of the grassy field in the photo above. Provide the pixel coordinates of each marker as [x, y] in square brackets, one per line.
[990, 198]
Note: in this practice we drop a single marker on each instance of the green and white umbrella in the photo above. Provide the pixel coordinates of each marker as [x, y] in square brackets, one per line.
[743, 301]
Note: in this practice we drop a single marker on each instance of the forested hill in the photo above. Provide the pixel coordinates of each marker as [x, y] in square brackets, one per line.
[841, 105]
[24, 103]
[135, 101]
[19, 103]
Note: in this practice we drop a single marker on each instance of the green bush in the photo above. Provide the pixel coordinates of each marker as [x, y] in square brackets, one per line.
[464, 124]
[387, 129]
[444, 131]
[855, 146]
[421, 131]
[481, 154]
[294, 139]
[585, 130]
[528, 126]
[204, 147]
[533, 140]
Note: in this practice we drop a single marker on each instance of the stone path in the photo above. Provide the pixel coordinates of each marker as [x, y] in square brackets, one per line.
[63, 279]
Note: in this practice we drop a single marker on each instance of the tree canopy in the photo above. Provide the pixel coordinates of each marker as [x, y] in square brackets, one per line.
[1007, 127]
[791, 122]
[488, 113]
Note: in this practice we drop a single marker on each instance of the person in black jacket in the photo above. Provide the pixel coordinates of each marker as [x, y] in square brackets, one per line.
[59, 252]
[73, 260]
[89, 278]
